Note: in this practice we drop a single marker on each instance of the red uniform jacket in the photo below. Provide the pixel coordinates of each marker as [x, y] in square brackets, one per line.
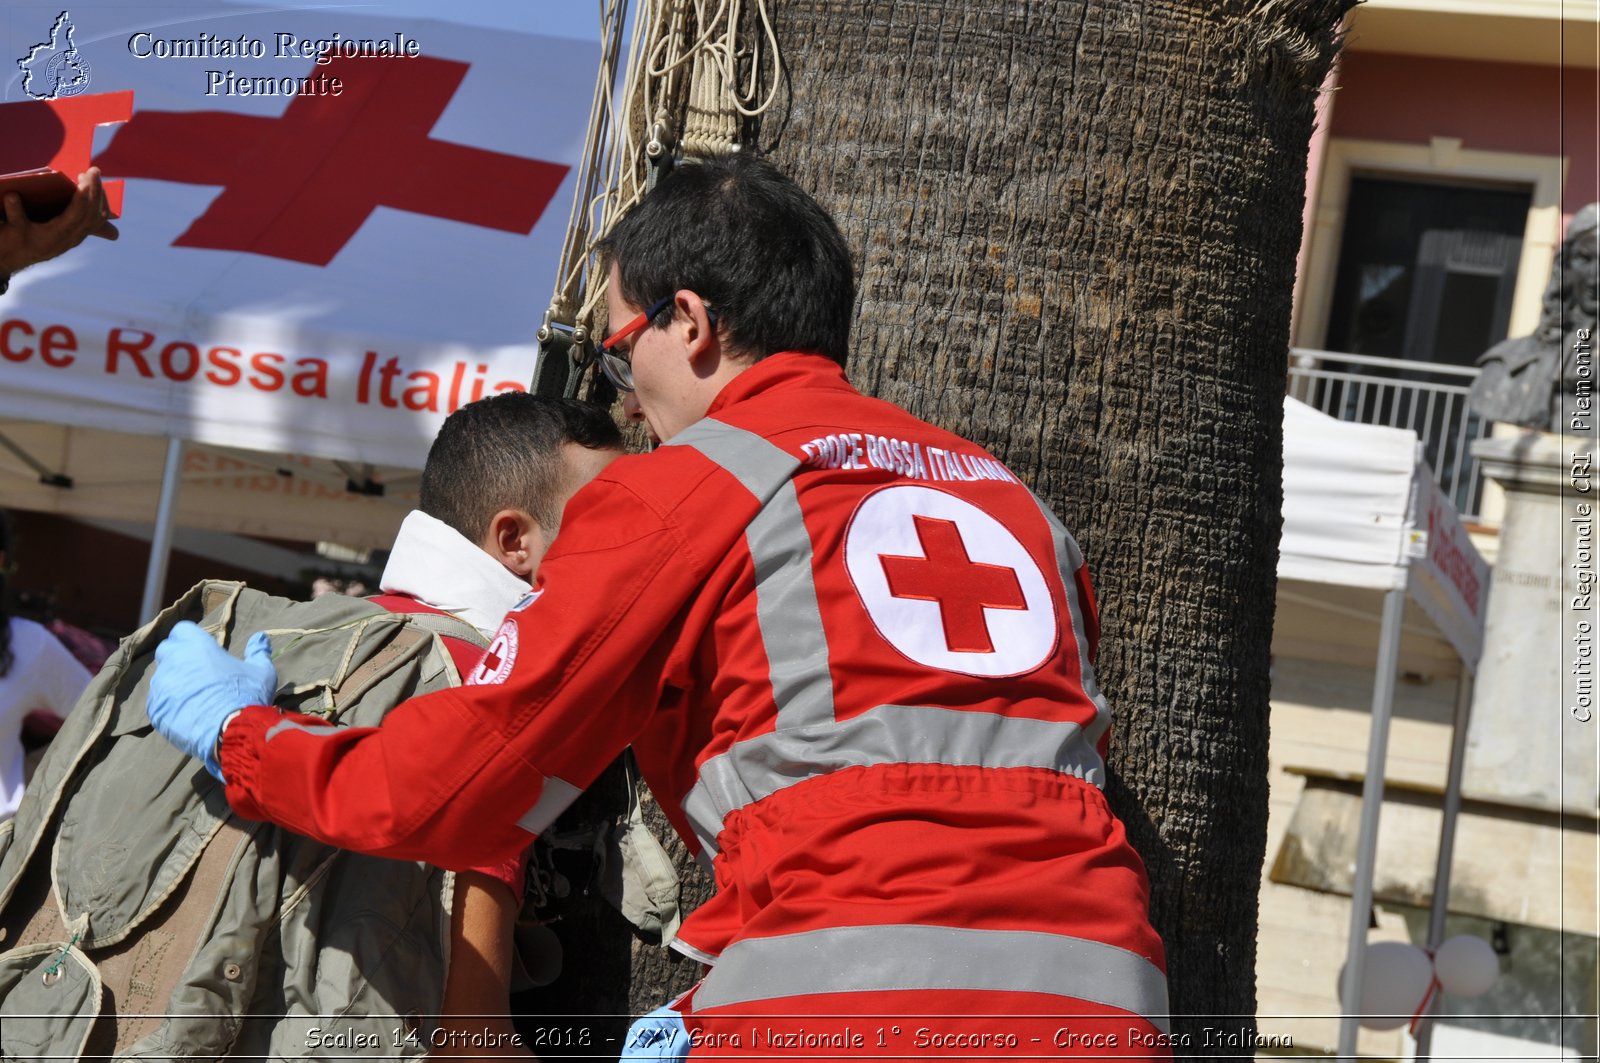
[512, 871]
[852, 653]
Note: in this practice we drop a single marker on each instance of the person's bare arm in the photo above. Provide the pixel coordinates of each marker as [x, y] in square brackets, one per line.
[24, 242]
[474, 1022]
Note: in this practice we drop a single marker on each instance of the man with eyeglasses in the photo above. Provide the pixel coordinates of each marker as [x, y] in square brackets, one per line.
[851, 652]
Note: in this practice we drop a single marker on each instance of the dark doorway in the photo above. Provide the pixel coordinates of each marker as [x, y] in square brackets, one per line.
[1426, 271]
[1425, 279]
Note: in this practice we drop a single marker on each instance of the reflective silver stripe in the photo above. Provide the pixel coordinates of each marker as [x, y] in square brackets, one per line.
[1069, 558]
[554, 797]
[865, 959]
[786, 594]
[320, 730]
[680, 945]
[889, 734]
[705, 835]
[791, 620]
[705, 821]
[761, 466]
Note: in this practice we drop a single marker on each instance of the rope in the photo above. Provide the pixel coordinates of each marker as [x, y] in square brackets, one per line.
[52, 972]
[681, 97]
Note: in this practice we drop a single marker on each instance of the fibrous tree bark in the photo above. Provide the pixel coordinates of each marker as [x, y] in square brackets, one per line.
[1076, 226]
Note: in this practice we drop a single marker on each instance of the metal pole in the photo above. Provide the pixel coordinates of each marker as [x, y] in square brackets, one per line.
[155, 578]
[1394, 604]
[46, 477]
[1447, 847]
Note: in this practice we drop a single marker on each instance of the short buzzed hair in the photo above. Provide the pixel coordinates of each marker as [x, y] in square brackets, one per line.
[504, 452]
[751, 243]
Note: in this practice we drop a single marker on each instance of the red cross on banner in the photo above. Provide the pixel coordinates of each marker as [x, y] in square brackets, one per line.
[56, 135]
[962, 587]
[299, 186]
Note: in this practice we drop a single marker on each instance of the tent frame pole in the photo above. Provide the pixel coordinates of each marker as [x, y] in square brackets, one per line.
[1394, 604]
[46, 477]
[1439, 908]
[155, 578]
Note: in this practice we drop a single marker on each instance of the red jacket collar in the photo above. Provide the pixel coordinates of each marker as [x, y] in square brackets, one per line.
[784, 370]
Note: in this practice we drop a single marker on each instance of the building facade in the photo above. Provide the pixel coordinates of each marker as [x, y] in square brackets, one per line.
[1456, 139]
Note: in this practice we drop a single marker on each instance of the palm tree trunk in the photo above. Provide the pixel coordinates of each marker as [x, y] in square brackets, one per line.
[1076, 226]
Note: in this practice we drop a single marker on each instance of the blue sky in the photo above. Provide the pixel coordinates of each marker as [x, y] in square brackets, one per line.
[26, 21]
[557, 18]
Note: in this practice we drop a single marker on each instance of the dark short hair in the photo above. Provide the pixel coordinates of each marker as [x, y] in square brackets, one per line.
[504, 452]
[750, 242]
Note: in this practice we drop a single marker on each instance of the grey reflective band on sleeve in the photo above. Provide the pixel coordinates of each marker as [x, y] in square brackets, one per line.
[758, 464]
[1069, 558]
[701, 812]
[790, 619]
[889, 734]
[786, 593]
[900, 957]
[555, 795]
[680, 945]
[320, 730]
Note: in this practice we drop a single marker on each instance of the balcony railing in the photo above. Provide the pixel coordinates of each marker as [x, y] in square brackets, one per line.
[1428, 398]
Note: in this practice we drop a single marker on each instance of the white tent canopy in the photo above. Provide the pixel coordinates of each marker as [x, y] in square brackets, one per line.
[1361, 509]
[117, 476]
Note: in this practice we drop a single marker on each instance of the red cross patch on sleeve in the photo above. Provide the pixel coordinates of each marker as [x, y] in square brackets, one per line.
[497, 659]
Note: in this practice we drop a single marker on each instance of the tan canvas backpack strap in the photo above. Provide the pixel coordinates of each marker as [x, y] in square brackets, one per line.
[448, 626]
[141, 973]
[217, 593]
[409, 639]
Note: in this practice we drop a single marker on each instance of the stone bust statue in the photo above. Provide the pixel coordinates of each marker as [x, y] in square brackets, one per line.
[1532, 380]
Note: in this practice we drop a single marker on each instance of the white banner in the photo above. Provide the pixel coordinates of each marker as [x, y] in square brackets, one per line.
[1449, 578]
[338, 225]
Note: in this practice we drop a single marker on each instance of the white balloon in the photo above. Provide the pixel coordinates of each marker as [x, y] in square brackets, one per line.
[1394, 979]
[1466, 966]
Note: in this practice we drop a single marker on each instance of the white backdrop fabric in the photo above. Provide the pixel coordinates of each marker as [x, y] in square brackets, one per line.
[294, 272]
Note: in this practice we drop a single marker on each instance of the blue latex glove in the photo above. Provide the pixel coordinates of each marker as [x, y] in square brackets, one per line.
[197, 685]
[658, 1035]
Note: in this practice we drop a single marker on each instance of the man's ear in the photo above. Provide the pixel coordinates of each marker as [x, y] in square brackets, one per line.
[699, 335]
[516, 540]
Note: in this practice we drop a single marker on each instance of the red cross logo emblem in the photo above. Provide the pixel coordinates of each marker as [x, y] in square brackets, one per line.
[497, 659]
[962, 587]
[948, 585]
[300, 186]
